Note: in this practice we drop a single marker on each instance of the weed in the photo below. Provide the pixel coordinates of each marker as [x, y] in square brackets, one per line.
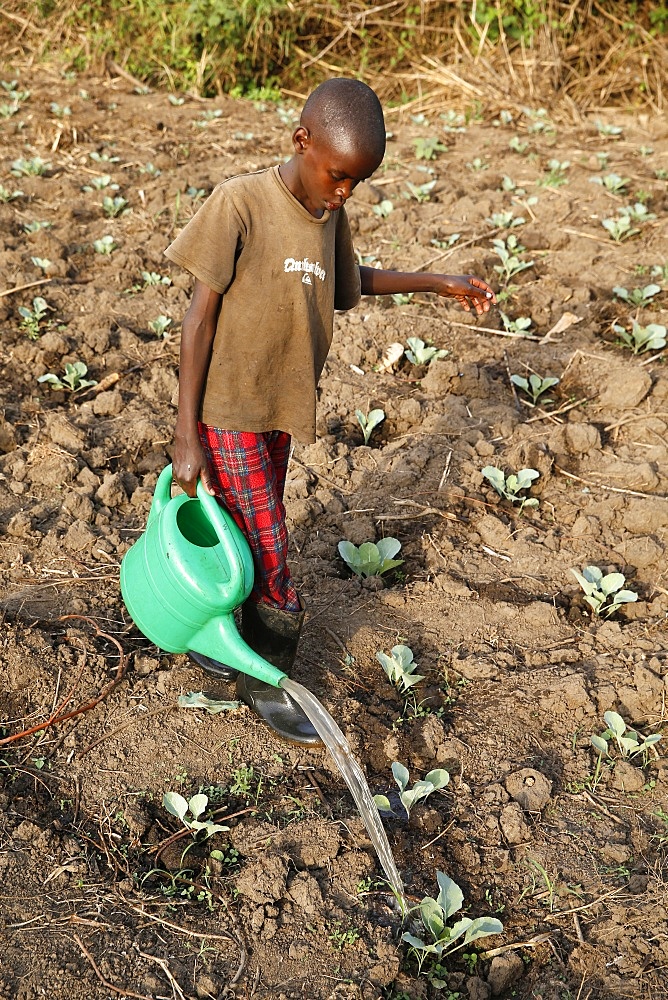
[43, 263]
[534, 386]
[628, 741]
[6, 195]
[100, 183]
[419, 354]
[35, 167]
[243, 778]
[420, 192]
[342, 939]
[508, 487]
[189, 813]
[508, 252]
[620, 228]
[434, 914]
[72, 381]
[160, 325]
[369, 422]
[105, 245]
[153, 278]
[638, 296]
[600, 589]
[642, 338]
[520, 325]
[556, 175]
[400, 667]
[114, 207]
[31, 318]
[438, 778]
[371, 558]
[428, 149]
[505, 220]
[612, 182]
[383, 208]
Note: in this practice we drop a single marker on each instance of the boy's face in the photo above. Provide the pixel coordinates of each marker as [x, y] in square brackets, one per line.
[329, 174]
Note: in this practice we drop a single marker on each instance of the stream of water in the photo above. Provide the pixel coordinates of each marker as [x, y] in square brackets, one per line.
[352, 773]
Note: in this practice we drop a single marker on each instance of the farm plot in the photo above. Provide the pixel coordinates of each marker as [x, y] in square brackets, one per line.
[519, 662]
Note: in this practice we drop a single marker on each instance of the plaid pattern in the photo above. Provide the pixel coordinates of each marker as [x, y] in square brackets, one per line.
[248, 473]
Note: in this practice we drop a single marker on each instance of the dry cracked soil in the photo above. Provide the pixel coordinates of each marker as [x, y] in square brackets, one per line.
[97, 897]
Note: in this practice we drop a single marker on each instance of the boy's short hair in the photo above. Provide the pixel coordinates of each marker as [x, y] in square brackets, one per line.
[346, 113]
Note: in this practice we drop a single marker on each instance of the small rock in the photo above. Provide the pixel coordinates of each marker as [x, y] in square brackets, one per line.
[107, 404]
[581, 438]
[504, 971]
[513, 825]
[623, 394]
[112, 491]
[530, 788]
[626, 777]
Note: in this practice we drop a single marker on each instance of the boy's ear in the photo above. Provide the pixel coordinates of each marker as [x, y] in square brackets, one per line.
[301, 138]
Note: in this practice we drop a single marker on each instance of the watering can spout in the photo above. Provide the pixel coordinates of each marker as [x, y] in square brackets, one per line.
[220, 640]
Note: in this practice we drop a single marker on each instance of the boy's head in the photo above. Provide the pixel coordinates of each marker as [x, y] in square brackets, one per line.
[340, 141]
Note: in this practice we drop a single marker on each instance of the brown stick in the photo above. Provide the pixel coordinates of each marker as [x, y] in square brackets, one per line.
[612, 489]
[22, 288]
[105, 982]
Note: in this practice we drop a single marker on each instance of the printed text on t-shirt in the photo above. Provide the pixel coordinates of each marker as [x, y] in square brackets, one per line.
[307, 266]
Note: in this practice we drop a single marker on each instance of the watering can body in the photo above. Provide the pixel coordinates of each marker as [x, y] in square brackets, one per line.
[184, 577]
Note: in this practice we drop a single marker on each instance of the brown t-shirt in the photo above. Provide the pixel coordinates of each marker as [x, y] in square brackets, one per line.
[281, 273]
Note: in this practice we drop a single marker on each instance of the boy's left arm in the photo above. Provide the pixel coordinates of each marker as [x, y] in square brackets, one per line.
[469, 291]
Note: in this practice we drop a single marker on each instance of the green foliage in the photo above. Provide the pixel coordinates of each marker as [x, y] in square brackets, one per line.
[534, 386]
[520, 325]
[113, 207]
[604, 129]
[6, 195]
[620, 228]
[420, 192]
[509, 487]
[100, 183]
[197, 699]
[508, 252]
[72, 381]
[637, 212]
[190, 811]
[371, 558]
[369, 421]
[34, 167]
[477, 164]
[419, 354]
[31, 318]
[517, 146]
[400, 667]
[642, 338]
[105, 245]
[612, 182]
[160, 325]
[556, 175]
[603, 593]
[36, 226]
[383, 208]
[628, 741]
[505, 220]
[43, 263]
[428, 149]
[421, 790]
[153, 278]
[638, 296]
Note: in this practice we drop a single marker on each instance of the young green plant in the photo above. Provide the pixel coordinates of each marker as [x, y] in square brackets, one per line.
[189, 812]
[371, 558]
[628, 741]
[642, 338]
[639, 297]
[369, 422]
[72, 381]
[400, 667]
[509, 487]
[520, 326]
[421, 790]
[534, 386]
[508, 252]
[31, 318]
[603, 593]
[418, 353]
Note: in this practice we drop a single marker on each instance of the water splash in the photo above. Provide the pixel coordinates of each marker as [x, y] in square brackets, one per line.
[352, 773]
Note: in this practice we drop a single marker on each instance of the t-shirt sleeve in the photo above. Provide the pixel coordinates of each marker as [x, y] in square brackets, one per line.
[210, 243]
[347, 287]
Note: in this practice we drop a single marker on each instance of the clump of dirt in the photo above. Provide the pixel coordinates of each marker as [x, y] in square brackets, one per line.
[99, 892]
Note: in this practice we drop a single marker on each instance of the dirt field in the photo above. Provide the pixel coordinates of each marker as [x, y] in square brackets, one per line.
[96, 899]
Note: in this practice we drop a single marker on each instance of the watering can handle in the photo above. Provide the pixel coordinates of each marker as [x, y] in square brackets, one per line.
[218, 517]
[162, 493]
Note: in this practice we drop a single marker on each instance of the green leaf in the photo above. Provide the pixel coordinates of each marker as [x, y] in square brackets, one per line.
[612, 582]
[450, 896]
[483, 927]
[495, 477]
[432, 917]
[404, 654]
[600, 744]
[520, 382]
[175, 804]
[197, 699]
[198, 804]
[401, 775]
[383, 803]
[439, 777]
[525, 477]
[387, 548]
[626, 597]
[418, 943]
[615, 723]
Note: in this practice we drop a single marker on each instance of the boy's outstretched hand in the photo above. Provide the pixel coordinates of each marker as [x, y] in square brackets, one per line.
[470, 292]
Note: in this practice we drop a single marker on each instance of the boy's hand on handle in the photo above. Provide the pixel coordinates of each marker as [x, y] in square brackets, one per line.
[189, 465]
[470, 292]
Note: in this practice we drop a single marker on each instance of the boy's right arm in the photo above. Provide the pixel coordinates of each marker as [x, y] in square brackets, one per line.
[197, 333]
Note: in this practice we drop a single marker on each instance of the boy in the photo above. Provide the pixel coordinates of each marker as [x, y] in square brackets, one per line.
[272, 258]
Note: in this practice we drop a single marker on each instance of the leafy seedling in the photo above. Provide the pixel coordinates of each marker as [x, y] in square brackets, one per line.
[369, 422]
[189, 813]
[371, 558]
[539, 120]
[418, 353]
[637, 212]
[197, 699]
[642, 338]
[36, 226]
[43, 263]
[438, 778]
[517, 145]
[509, 487]
[603, 593]
[383, 208]
[153, 278]
[401, 299]
[477, 164]
[151, 170]
[620, 228]
[505, 220]
[105, 245]
[520, 325]
[556, 175]
[453, 121]
[113, 207]
[59, 110]
[160, 325]
[100, 183]
[420, 192]
[104, 158]
[72, 381]
[447, 242]
[434, 914]
[638, 296]
[400, 667]
[31, 318]
[428, 149]
[612, 182]
[30, 168]
[508, 252]
[6, 195]
[628, 741]
[605, 129]
[534, 386]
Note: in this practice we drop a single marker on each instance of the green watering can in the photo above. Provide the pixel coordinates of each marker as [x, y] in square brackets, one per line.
[182, 580]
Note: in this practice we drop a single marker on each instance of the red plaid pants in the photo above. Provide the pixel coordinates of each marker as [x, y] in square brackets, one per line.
[248, 476]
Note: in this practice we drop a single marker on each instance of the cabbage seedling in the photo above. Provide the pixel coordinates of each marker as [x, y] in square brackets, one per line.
[629, 742]
[477, 164]
[369, 422]
[419, 354]
[619, 228]
[534, 386]
[30, 168]
[637, 212]
[428, 149]
[371, 558]
[505, 220]
[6, 195]
[103, 158]
[520, 325]
[31, 318]
[153, 278]
[600, 589]
[517, 145]
[611, 182]
[36, 225]
[43, 263]
[383, 208]
[113, 207]
[508, 252]
[605, 129]
[73, 379]
[105, 245]
[638, 296]
[190, 811]
[557, 173]
[400, 667]
[508, 487]
[434, 914]
[100, 183]
[642, 338]
[421, 192]
[160, 325]
[438, 778]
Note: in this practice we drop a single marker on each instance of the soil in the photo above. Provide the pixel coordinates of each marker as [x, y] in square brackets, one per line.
[97, 896]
